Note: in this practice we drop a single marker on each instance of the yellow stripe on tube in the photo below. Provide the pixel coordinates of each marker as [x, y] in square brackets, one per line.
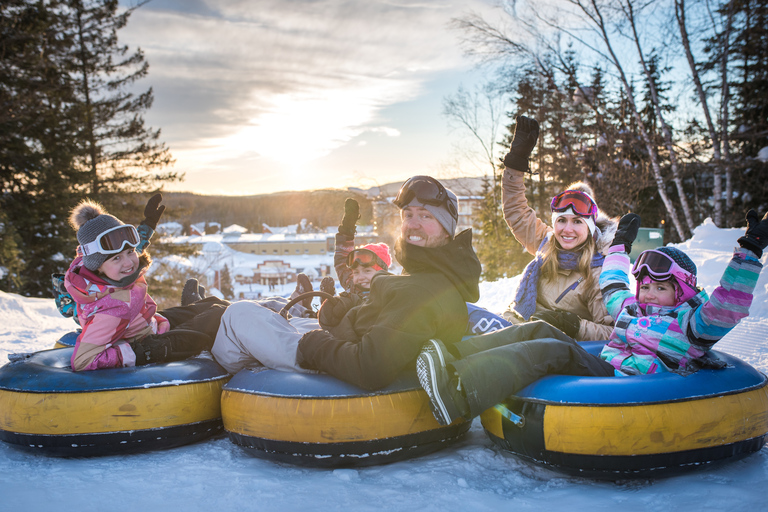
[110, 411]
[656, 428]
[327, 420]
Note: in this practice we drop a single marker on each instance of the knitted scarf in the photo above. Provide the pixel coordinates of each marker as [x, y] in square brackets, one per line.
[527, 291]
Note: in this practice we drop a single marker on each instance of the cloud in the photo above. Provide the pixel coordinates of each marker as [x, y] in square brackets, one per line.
[285, 80]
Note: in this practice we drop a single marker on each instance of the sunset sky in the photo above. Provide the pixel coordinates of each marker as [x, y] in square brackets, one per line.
[261, 96]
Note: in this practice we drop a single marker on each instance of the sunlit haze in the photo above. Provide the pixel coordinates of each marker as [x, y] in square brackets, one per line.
[260, 97]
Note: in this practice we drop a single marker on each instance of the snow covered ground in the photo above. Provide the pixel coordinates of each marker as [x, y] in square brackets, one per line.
[471, 475]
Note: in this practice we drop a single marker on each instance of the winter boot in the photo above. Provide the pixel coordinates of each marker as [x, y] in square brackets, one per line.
[303, 285]
[190, 292]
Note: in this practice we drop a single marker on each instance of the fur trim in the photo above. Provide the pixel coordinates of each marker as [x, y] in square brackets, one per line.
[84, 212]
[607, 225]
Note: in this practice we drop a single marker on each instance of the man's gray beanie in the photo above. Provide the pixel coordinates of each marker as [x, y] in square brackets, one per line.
[90, 220]
[441, 214]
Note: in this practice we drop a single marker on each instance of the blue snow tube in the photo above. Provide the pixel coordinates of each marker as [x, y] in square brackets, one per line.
[47, 408]
[635, 427]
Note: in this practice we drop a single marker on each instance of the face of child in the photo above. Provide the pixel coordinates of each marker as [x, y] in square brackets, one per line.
[660, 293]
[571, 231]
[121, 264]
[362, 276]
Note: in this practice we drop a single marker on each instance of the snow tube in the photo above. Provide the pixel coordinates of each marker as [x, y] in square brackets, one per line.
[47, 408]
[317, 420]
[635, 427]
[68, 340]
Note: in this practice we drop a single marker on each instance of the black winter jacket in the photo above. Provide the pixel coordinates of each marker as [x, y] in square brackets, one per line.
[379, 338]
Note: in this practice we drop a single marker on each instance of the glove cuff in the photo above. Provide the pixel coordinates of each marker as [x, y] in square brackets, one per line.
[748, 243]
[517, 162]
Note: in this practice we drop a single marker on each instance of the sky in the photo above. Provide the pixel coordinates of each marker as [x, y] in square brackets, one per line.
[471, 475]
[261, 96]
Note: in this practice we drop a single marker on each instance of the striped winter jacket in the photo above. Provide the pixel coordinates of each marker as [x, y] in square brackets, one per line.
[110, 317]
[654, 339]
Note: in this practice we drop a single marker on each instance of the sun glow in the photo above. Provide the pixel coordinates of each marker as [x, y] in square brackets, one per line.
[300, 128]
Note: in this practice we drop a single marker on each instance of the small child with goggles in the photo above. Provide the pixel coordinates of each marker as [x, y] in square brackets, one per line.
[669, 323]
[120, 322]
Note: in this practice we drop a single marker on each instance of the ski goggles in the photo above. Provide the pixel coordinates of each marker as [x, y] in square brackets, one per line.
[660, 267]
[365, 258]
[112, 241]
[426, 190]
[581, 203]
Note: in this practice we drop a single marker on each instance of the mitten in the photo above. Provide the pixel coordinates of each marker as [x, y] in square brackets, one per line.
[627, 231]
[566, 321]
[335, 308]
[153, 211]
[310, 338]
[523, 142]
[351, 215]
[756, 237]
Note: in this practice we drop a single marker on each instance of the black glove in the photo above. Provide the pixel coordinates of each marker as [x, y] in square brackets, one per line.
[153, 211]
[627, 231]
[566, 321]
[351, 214]
[523, 142]
[334, 309]
[756, 237]
[174, 345]
[310, 338]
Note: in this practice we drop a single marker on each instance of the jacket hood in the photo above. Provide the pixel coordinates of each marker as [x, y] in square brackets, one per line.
[456, 260]
[607, 230]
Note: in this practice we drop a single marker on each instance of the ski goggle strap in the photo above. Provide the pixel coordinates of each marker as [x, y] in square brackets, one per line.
[112, 241]
[581, 203]
[365, 258]
[426, 190]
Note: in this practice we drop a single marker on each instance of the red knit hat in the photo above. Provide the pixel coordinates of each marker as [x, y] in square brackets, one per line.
[380, 250]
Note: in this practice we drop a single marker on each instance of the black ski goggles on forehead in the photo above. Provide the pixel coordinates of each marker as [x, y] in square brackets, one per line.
[112, 241]
[426, 190]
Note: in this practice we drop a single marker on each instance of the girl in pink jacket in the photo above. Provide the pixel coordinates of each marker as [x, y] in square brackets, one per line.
[119, 320]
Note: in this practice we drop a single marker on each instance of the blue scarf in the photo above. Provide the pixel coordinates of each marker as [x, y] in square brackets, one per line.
[527, 290]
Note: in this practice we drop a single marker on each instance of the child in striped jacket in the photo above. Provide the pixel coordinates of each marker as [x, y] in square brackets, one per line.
[669, 323]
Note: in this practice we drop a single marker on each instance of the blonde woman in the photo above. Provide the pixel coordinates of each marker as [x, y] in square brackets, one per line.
[561, 284]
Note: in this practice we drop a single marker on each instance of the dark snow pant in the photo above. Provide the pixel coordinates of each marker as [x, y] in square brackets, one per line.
[202, 316]
[493, 366]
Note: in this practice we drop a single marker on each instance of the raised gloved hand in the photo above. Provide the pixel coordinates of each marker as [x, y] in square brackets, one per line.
[627, 231]
[523, 142]
[153, 211]
[566, 321]
[334, 309]
[756, 237]
[351, 215]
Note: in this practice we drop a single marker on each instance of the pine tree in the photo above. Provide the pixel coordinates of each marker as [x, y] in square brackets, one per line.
[116, 149]
[37, 137]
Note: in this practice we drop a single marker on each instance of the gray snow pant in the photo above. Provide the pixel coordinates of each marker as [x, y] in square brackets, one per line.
[251, 334]
[495, 365]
